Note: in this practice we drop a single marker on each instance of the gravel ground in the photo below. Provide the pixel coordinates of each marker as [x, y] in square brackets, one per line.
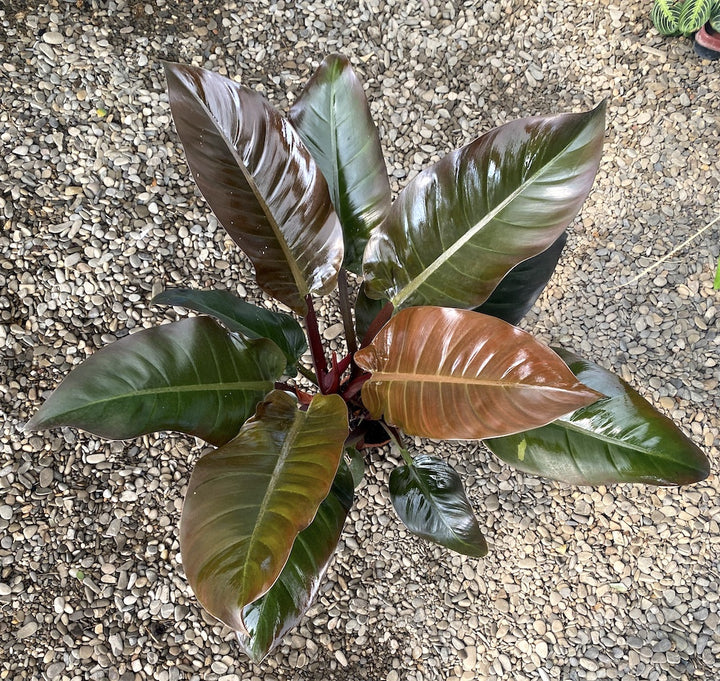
[99, 212]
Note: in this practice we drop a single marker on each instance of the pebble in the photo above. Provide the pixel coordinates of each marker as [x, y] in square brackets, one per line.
[53, 38]
[26, 630]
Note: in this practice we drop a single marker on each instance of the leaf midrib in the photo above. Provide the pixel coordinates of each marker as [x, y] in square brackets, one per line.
[420, 279]
[299, 420]
[195, 387]
[460, 380]
[561, 423]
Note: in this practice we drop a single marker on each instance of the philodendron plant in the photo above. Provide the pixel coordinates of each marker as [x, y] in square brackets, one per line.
[447, 268]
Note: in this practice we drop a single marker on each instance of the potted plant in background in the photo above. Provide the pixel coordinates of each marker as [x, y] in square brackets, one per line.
[446, 269]
[690, 17]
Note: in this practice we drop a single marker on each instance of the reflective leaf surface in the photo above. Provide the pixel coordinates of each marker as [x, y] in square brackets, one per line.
[333, 119]
[248, 500]
[620, 438]
[191, 376]
[260, 181]
[523, 284]
[430, 500]
[272, 615]
[458, 227]
[457, 374]
[237, 315]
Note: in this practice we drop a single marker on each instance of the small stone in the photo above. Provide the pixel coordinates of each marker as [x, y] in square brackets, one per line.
[46, 477]
[54, 670]
[469, 657]
[333, 331]
[53, 38]
[27, 630]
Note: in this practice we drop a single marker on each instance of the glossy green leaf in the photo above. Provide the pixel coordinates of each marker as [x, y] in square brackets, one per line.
[192, 376]
[457, 374]
[665, 15]
[429, 498]
[716, 283]
[523, 284]
[356, 464]
[237, 315]
[621, 438]
[333, 118]
[260, 181]
[693, 15]
[272, 615]
[461, 225]
[366, 309]
[247, 501]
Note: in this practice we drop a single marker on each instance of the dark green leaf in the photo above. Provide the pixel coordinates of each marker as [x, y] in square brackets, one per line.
[192, 376]
[237, 315]
[523, 284]
[618, 439]
[333, 118]
[457, 374]
[260, 181]
[270, 617]
[247, 501]
[460, 226]
[430, 499]
[356, 464]
[366, 309]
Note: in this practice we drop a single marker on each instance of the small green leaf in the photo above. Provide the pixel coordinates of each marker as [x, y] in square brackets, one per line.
[248, 500]
[356, 464]
[237, 315]
[191, 376]
[272, 615]
[716, 283]
[620, 438]
[430, 500]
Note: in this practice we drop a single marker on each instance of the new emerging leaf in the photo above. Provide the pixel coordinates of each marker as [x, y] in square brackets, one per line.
[456, 374]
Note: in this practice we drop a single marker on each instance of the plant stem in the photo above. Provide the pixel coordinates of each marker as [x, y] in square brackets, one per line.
[380, 320]
[307, 373]
[395, 438]
[346, 312]
[316, 346]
